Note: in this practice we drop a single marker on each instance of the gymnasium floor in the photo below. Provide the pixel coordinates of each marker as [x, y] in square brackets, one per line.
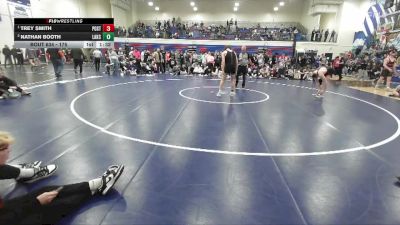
[273, 154]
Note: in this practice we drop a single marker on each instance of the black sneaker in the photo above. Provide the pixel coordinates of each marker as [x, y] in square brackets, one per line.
[40, 173]
[110, 177]
[35, 164]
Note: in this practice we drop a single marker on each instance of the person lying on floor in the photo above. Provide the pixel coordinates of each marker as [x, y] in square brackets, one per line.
[47, 205]
[396, 92]
[6, 83]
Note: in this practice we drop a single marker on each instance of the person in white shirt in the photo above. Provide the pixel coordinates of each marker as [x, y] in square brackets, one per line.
[97, 56]
[142, 56]
[198, 70]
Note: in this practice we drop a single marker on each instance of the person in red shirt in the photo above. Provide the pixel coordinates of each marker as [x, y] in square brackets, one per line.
[337, 66]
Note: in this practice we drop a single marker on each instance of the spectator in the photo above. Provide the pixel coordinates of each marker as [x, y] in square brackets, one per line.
[57, 58]
[396, 92]
[7, 55]
[326, 35]
[77, 56]
[50, 204]
[14, 55]
[332, 38]
[6, 83]
[19, 56]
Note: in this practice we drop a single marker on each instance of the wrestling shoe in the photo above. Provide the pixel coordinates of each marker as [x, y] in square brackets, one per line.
[220, 93]
[319, 96]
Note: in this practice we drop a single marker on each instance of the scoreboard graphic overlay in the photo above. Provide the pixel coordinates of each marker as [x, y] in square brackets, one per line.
[64, 32]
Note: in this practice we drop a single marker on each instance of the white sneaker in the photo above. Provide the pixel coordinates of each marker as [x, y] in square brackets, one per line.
[232, 93]
[41, 172]
[110, 177]
[319, 96]
[219, 94]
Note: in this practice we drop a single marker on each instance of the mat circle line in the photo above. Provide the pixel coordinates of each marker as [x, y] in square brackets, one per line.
[243, 153]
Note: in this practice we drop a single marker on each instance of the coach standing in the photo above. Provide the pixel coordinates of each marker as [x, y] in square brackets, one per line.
[57, 58]
[7, 55]
[77, 56]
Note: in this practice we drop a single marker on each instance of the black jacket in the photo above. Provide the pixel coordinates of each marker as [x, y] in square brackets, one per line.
[77, 53]
[6, 51]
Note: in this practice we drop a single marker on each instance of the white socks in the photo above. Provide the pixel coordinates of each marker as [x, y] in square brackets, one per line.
[95, 184]
[26, 173]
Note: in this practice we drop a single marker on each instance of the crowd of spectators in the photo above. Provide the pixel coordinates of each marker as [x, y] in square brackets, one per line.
[363, 65]
[176, 29]
[135, 62]
[129, 61]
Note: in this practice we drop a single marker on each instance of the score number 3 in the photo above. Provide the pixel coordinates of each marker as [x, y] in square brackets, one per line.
[108, 27]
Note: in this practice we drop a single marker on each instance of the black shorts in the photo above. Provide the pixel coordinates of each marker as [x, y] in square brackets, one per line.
[386, 73]
[229, 70]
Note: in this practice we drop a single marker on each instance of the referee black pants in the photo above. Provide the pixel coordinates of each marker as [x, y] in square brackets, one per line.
[242, 71]
[97, 64]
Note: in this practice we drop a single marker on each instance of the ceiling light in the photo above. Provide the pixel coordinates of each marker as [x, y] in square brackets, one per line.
[157, 8]
[281, 3]
[276, 8]
[192, 3]
[236, 4]
[235, 9]
[194, 8]
[150, 3]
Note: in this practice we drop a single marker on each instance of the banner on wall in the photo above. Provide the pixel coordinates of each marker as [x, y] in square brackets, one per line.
[19, 11]
[359, 39]
[271, 49]
[21, 2]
